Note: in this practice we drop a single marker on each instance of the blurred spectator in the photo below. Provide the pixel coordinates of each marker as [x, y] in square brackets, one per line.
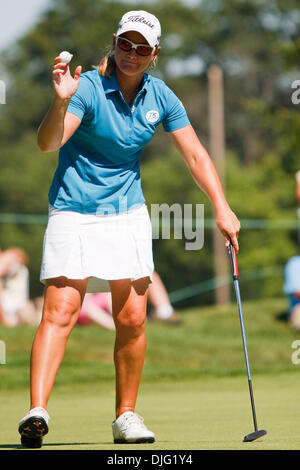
[291, 288]
[291, 285]
[162, 310]
[15, 306]
[97, 308]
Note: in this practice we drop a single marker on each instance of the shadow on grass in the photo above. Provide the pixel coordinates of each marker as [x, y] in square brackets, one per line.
[282, 317]
[19, 446]
[110, 445]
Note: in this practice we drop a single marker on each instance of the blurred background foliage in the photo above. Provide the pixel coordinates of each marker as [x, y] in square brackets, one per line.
[257, 45]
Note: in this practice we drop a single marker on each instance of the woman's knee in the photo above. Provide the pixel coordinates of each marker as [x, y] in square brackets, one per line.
[129, 303]
[62, 303]
[62, 315]
[132, 322]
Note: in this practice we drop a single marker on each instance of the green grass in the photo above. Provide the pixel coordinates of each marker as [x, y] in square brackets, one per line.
[208, 343]
[208, 413]
[194, 392]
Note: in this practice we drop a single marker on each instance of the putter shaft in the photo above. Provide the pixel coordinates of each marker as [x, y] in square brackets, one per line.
[238, 296]
[235, 274]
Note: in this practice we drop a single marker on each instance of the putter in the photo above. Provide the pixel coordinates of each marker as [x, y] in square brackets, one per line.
[235, 274]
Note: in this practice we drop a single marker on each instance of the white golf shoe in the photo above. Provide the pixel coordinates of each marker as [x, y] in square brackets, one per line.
[33, 427]
[129, 428]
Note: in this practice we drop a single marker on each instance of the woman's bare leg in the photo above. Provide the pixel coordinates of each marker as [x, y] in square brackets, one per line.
[62, 305]
[129, 301]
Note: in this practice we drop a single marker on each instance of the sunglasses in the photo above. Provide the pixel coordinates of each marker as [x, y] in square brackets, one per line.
[140, 49]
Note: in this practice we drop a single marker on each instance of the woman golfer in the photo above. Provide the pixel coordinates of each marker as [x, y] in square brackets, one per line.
[98, 235]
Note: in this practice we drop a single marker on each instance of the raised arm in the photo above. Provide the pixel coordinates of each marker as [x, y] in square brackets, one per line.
[58, 125]
[205, 175]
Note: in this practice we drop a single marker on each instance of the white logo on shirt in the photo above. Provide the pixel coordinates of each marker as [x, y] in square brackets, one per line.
[152, 116]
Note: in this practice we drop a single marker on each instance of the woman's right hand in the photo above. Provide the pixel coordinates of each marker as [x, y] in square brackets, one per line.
[65, 86]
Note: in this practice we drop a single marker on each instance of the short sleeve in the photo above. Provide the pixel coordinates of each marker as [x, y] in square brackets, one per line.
[175, 116]
[80, 103]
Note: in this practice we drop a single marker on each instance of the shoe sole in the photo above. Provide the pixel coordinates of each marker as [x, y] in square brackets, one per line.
[142, 440]
[32, 432]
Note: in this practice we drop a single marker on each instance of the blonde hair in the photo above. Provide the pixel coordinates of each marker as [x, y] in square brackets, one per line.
[107, 65]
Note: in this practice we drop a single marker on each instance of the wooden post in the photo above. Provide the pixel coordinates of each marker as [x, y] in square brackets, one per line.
[217, 153]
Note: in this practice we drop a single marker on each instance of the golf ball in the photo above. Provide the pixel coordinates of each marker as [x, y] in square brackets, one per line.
[66, 56]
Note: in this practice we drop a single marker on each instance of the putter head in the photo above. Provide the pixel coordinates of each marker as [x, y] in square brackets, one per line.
[254, 435]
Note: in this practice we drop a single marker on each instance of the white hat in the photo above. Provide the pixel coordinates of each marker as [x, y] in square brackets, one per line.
[142, 22]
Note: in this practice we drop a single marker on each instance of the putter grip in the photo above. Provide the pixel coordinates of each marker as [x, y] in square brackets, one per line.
[233, 261]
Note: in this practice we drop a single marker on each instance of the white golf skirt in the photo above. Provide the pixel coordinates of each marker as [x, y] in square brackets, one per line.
[98, 247]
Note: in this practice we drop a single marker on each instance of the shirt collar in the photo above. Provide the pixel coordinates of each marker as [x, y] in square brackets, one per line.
[110, 84]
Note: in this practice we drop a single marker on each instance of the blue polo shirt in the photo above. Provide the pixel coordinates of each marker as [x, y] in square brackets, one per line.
[98, 169]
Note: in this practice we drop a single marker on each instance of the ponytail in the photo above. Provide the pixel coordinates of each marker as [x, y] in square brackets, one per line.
[107, 65]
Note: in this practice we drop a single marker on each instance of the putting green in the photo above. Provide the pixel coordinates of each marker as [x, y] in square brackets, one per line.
[211, 413]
